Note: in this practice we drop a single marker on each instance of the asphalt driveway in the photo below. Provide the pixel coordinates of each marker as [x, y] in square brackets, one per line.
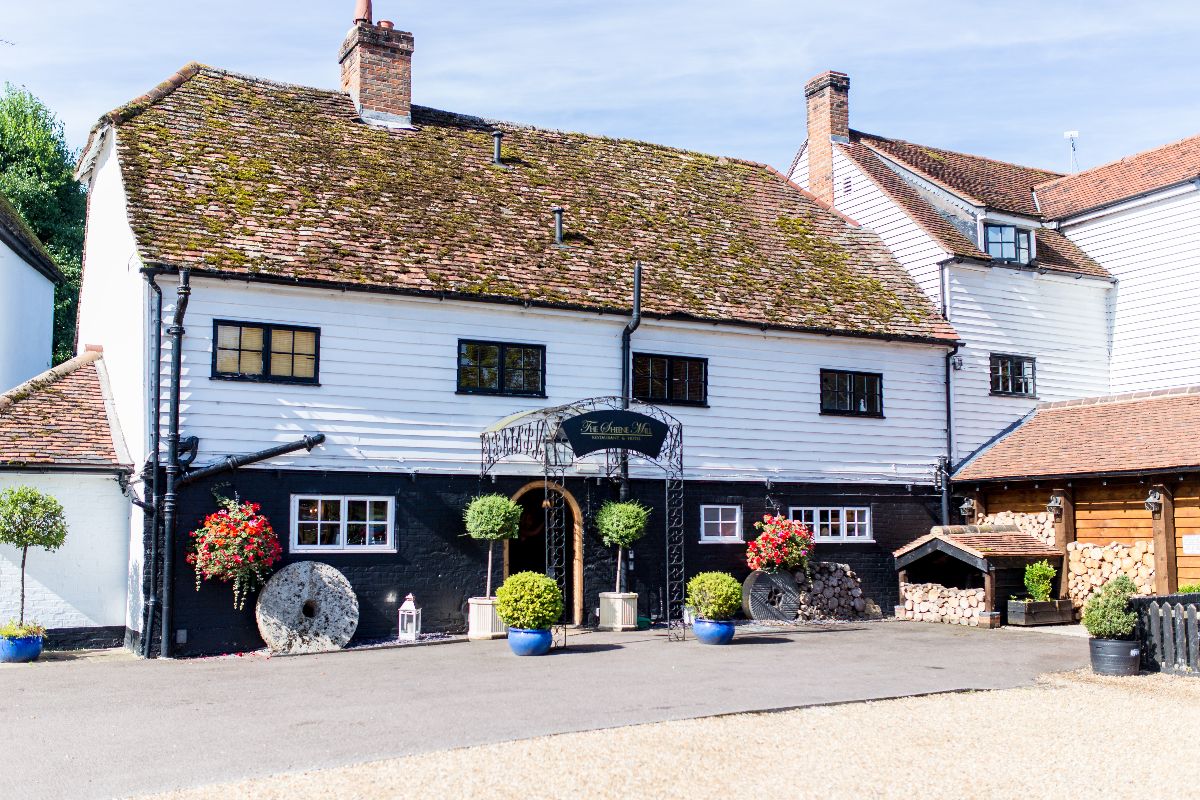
[116, 727]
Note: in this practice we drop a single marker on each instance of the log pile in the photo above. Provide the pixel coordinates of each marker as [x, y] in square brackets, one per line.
[1040, 524]
[832, 591]
[931, 602]
[1090, 566]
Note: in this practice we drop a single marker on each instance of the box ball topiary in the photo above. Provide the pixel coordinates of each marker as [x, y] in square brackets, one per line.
[529, 601]
[490, 517]
[1039, 577]
[1106, 614]
[714, 595]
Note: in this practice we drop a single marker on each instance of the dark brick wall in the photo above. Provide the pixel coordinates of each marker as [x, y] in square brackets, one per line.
[85, 638]
[442, 567]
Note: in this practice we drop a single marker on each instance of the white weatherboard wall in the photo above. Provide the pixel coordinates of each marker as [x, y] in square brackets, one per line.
[867, 205]
[1152, 246]
[82, 584]
[388, 375]
[26, 320]
[1059, 320]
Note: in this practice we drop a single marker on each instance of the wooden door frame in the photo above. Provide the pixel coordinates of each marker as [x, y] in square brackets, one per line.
[577, 556]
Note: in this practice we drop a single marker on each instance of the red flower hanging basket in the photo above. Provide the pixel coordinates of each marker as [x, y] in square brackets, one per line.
[237, 545]
[783, 544]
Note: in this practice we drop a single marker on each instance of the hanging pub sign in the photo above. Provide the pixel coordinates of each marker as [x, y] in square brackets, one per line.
[619, 430]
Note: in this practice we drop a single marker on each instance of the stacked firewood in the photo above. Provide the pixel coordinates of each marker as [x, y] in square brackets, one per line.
[1040, 524]
[931, 602]
[832, 591]
[1091, 566]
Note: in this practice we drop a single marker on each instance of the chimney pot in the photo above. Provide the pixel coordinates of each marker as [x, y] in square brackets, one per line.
[387, 24]
[828, 100]
[362, 12]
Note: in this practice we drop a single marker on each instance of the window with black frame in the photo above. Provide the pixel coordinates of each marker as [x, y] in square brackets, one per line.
[501, 368]
[681, 380]
[851, 394]
[1007, 243]
[1014, 376]
[255, 351]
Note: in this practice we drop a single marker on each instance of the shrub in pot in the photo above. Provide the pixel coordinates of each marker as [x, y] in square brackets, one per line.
[1038, 608]
[620, 525]
[28, 519]
[530, 604]
[716, 597]
[1111, 623]
[489, 518]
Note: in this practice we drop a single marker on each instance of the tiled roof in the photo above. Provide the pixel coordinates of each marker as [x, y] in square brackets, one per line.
[1054, 250]
[17, 234]
[58, 419]
[995, 184]
[1140, 432]
[986, 541]
[230, 174]
[1133, 175]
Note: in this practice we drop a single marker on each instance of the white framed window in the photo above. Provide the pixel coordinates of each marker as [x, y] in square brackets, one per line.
[832, 524]
[343, 524]
[721, 524]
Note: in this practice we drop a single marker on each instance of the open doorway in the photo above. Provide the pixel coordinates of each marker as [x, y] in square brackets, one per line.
[528, 550]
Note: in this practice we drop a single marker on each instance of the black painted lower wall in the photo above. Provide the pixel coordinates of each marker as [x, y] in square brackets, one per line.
[442, 567]
[85, 638]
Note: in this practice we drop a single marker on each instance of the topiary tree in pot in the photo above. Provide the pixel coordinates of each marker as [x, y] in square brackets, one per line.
[1111, 623]
[1038, 608]
[620, 525]
[28, 519]
[489, 518]
[530, 604]
[716, 598]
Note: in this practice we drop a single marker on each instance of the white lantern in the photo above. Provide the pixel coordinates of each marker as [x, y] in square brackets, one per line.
[410, 620]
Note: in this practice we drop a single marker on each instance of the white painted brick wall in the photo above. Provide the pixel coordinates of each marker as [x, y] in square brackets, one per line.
[83, 584]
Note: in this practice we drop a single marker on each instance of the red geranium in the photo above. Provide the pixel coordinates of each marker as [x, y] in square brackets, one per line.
[783, 543]
[235, 544]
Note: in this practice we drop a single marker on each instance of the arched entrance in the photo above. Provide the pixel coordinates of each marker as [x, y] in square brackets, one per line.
[528, 552]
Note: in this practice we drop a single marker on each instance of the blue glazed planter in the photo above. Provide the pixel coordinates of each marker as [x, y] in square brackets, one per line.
[525, 642]
[713, 631]
[20, 651]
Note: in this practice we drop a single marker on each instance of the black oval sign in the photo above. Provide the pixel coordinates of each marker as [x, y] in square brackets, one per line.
[615, 430]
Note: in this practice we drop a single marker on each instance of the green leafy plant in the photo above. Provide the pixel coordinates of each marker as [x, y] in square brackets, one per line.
[28, 519]
[1191, 588]
[620, 525]
[17, 630]
[1106, 614]
[1039, 577]
[530, 601]
[236, 545]
[490, 517]
[714, 595]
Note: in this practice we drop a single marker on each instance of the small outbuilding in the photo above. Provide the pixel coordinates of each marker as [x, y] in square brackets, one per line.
[965, 574]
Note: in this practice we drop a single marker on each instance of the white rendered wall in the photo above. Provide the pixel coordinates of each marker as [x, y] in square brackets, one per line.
[26, 320]
[388, 375]
[83, 584]
[1059, 320]
[1153, 249]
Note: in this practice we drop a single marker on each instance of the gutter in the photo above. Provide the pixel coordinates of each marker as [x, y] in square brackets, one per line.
[1074, 476]
[627, 366]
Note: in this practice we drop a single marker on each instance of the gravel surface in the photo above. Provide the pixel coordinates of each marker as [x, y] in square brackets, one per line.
[1071, 735]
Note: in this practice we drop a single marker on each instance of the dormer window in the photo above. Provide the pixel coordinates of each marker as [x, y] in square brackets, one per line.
[1007, 243]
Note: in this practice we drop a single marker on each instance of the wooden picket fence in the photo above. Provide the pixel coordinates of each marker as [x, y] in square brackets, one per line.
[1169, 630]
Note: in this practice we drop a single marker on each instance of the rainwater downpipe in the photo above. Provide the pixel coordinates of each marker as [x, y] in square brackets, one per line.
[173, 467]
[949, 436]
[626, 365]
[155, 435]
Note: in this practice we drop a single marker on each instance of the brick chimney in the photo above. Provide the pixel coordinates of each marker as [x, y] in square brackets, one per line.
[828, 99]
[376, 64]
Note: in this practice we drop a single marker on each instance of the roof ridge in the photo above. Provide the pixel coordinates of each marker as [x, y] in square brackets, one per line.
[961, 153]
[1115, 161]
[47, 378]
[1123, 397]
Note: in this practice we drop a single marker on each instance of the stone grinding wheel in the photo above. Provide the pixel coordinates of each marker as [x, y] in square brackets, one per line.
[307, 607]
[771, 596]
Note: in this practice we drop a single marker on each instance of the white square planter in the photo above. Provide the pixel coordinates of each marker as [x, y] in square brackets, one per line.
[618, 611]
[482, 620]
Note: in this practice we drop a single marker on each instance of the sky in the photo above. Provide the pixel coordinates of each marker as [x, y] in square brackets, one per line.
[1001, 79]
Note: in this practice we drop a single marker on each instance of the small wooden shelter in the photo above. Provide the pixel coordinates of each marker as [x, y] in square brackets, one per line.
[991, 557]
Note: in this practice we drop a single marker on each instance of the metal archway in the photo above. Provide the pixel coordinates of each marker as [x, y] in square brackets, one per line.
[538, 434]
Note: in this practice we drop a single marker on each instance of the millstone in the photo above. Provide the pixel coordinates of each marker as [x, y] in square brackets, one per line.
[770, 596]
[307, 607]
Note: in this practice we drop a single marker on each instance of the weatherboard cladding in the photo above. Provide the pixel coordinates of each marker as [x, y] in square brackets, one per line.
[231, 174]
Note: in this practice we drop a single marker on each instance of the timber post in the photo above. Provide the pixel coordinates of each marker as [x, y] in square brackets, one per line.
[1064, 535]
[1166, 575]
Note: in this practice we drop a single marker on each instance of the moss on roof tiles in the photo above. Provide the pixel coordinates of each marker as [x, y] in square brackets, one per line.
[233, 174]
